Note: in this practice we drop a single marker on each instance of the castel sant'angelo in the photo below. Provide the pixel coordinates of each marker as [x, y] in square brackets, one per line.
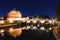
[15, 15]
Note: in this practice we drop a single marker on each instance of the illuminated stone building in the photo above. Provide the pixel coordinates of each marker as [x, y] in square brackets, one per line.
[15, 15]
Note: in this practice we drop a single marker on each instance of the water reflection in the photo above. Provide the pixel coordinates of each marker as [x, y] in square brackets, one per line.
[28, 35]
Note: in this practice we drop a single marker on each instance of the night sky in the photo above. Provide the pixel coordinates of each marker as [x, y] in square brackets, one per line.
[29, 7]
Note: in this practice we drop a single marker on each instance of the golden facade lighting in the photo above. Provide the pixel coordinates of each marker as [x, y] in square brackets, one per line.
[14, 14]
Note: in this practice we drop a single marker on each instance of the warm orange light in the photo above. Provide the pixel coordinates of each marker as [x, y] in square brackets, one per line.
[1, 22]
[11, 30]
[1, 31]
[14, 14]
[15, 32]
[11, 21]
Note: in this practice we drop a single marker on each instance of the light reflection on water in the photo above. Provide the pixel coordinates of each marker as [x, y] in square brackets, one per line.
[28, 34]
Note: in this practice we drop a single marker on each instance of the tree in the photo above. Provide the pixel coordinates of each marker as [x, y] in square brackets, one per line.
[58, 12]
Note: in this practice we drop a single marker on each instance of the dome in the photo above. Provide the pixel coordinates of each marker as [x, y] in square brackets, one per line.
[14, 14]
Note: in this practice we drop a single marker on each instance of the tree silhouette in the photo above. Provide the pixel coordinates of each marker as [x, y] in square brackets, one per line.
[58, 12]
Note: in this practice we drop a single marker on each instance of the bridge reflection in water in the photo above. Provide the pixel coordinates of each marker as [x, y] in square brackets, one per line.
[30, 35]
[10, 34]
